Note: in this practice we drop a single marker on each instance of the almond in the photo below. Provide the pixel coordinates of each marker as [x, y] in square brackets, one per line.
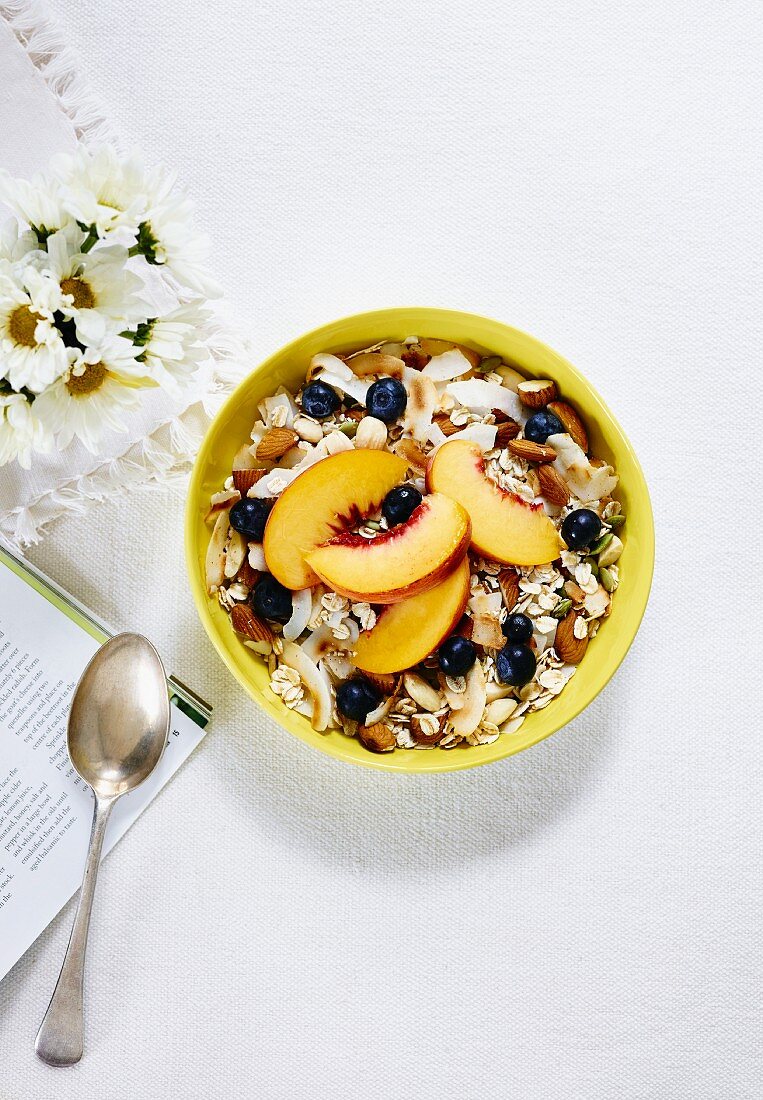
[244, 621]
[376, 738]
[508, 582]
[536, 392]
[574, 591]
[422, 693]
[386, 682]
[247, 575]
[413, 454]
[531, 452]
[415, 358]
[552, 485]
[445, 424]
[243, 480]
[506, 432]
[570, 649]
[573, 425]
[427, 729]
[274, 443]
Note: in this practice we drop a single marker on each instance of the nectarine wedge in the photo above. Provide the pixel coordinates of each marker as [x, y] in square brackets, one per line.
[407, 559]
[407, 632]
[320, 503]
[504, 527]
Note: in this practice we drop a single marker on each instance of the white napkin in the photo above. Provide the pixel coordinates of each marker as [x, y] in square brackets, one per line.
[45, 108]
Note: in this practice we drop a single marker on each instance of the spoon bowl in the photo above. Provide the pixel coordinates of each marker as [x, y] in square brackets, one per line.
[119, 716]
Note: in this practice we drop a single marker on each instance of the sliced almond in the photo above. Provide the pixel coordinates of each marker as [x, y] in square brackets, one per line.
[572, 423]
[500, 710]
[570, 649]
[421, 692]
[427, 729]
[244, 621]
[243, 480]
[486, 631]
[235, 552]
[215, 560]
[221, 502]
[552, 485]
[532, 452]
[536, 392]
[507, 431]
[274, 443]
[377, 738]
[508, 582]
[445, 424]
[375, 362]
[413, 454]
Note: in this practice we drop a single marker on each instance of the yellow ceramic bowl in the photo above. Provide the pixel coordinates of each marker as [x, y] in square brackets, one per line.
[287, 367]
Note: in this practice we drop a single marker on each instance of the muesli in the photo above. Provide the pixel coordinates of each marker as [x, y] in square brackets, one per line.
[418, 543]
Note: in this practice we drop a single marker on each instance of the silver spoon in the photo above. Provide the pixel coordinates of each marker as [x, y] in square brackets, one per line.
[118, 727]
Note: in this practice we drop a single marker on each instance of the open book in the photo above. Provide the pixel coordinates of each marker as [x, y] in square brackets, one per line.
[46, 639]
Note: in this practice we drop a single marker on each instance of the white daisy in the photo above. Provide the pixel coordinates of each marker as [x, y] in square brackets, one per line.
[171, 347]
[32, 353]
[38, 202]
[98, 388]
[97, 290]
[16, 245]
[166, 238]
[21, 430]
[102, 189]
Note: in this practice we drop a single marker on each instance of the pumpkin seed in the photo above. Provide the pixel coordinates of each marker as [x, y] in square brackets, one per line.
[600, 543]
[616, 521]
[490, 363]
[349, 428]
[562, 609]
[608, 582]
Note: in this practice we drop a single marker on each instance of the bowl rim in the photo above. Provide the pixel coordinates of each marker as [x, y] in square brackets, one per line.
[451, 760]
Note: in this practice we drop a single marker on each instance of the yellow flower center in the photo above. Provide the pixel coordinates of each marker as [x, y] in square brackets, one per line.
[93, 377]
[21, 325]
[81, 292]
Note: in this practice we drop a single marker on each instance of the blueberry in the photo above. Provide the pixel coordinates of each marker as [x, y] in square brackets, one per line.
[386, 399]
[248, 516]
[270, 599]
[356, 698]
[457, 655]
[581, 528]
[541, 425]
[515, 665]
[518, 628]
[400, 503]
[319, 400]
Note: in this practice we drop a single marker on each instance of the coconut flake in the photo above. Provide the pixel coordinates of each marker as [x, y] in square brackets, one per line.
[483, 397]
[274, 482]
[585, 481]
[481, 434]
[356, 388]
[301, 606]
[469, 715]
[450, 364]
[422, 402]
[295, 657]
[256, 557]
[323, 361]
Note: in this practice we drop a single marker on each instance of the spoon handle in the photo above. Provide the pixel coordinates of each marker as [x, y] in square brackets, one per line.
[60, 1038]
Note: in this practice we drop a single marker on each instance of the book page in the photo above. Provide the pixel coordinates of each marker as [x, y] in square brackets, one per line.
[45, 808]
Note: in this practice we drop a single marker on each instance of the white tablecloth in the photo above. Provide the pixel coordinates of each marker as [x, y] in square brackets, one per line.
[579, 922]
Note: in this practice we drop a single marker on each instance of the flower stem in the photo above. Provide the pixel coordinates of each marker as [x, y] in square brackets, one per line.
[89, 240]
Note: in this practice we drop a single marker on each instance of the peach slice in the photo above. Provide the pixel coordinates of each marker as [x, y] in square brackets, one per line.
[410, 558]
[407, 632]
[504, 527]
[319, 504]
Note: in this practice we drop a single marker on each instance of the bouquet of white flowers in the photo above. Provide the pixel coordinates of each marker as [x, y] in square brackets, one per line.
[102, 292]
